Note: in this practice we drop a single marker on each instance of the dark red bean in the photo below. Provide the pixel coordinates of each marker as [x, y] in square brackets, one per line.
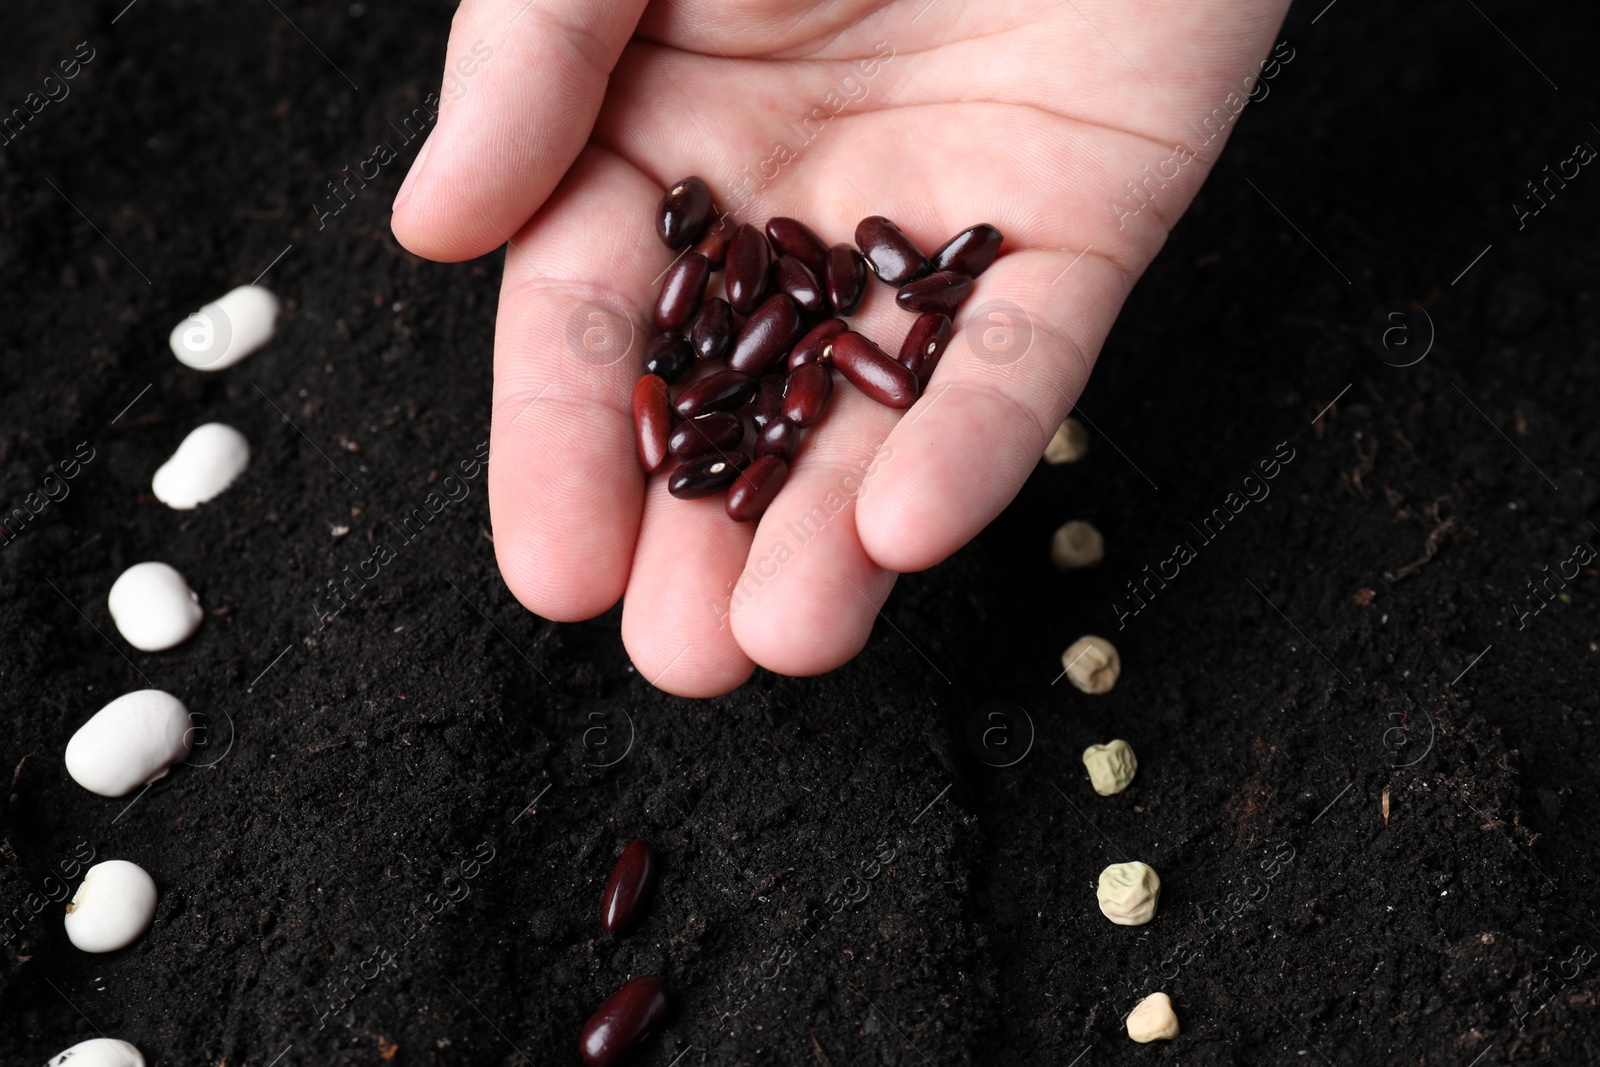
[791, 277]
[971, 251]
[652, 420]
[716, 432]
[622, 1023]
[669, 355]
[681, 291]
[869, 369]
[722, 391]
[768, 402]
[749, 258]
[630, 883]
[712, 331]
[890, 253]
[846, 278]
[924, 344]
[765, 335]
[682, 213]
[706, 475]
[753, 490]
[805, 394]
[777, 438]
[943, 291]
[714, 245]
[794, 238]
[815, 346]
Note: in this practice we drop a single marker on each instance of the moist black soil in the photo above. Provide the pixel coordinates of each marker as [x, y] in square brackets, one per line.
[1366, 759]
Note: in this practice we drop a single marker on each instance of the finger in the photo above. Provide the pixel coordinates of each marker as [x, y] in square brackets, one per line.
[565, 485]
[523, 82]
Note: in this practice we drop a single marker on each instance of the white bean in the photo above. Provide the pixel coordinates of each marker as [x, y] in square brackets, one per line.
[130, 742]
[205, 464]
[226, 330]
[112, 908]
[99, 1052]
[153, 607]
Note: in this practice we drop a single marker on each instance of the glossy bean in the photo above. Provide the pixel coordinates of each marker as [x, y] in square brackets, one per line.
[716, 432]
[969, 252]
[749, 259]
[890, 253]
[777, 438]
[924, 344]
[630, 883]
[712, 330]
[846, 278]
[714, 244]
[942, 292]
[682, 213]
[794, 238]
[805, 394]
[768, 402]
[868, 368]
[623, 1022]
[722, 391]
[682, 289]
[706, 475]
[765, 335]
[754, 489]
[817, 345]
[669, 355]
[792, 278]
[652, 421]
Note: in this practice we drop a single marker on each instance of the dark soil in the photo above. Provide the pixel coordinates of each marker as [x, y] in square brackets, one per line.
[1354, 636]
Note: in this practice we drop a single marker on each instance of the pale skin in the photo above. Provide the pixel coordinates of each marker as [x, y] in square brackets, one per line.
[1031, 115]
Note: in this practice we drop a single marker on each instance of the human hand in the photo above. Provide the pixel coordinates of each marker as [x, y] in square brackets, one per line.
[1027, 114]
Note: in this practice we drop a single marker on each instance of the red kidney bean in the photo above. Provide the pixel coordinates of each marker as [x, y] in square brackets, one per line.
[682, 213]
[924, 344]
[681, 291]
[846, 278]
[765, 335]
[890, 253]
[753, 490]
[722, 391]
[777, 438]
[652, 420]
[714, 245]
[631, 881]
[716, 432]
[816, 345]
[712, 330]
[749, 258]
[669, 355]
[805, 394]
[622, 1023]
[869, 369]
[969, 252]
[706, 475]
[943, 291]
[768, 402]
[794, 238]
[790, 276]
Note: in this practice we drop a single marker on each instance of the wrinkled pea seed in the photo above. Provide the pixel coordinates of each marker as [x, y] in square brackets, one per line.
[1076, 545]
[1111, 766]
[1129, 893]
[1092, 664]
[1152, 1019]
[1070, 443]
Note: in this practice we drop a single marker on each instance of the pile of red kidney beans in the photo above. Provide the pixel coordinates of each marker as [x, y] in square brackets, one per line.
[780, 326]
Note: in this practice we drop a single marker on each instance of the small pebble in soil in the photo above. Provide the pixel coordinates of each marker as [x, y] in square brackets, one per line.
[1076, 545]
[628, 887]
[1111, 766]
[1129, 893]
[209, 460]
[226, 330]
[112, 908]
[153, 607]
[1092, 664]
[1152, 1019]
[99, 1052]
[623, 1022]
[1070, 443]
[130, 742]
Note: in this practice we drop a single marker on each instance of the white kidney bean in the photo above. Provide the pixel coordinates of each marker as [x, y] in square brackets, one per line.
[206, 463]
[112, 908]
[130, 742]
[226, 330]
[153, 607]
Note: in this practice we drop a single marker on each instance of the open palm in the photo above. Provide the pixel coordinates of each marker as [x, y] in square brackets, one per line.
[1033, 115]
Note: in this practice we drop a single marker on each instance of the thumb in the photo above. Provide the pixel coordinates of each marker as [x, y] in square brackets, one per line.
[523, 82]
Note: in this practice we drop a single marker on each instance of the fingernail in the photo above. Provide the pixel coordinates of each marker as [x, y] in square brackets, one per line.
[411, 176]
